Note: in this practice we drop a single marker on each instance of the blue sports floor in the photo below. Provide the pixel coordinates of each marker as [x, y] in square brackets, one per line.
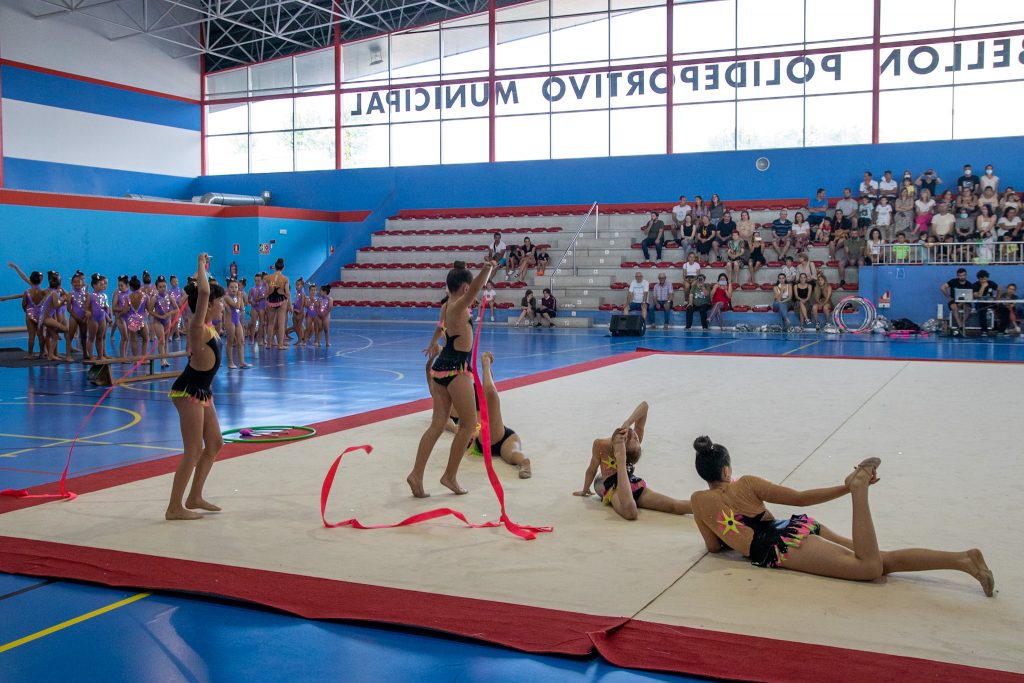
[50, 629]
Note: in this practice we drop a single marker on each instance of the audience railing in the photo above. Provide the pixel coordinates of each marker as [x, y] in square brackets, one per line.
[960, 253]
[571, 249]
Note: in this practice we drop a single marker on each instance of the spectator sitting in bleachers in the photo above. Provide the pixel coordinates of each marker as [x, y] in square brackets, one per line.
[662, 300]
[848, 205]
[781, 227]
[721, 300]
[716, 209]
[1009, 199]
[691, 269]
[923, 208]
[654, 231]
[686, 234]
[725, 229]
[968, 181]
[1008, 314]
[801, 232]
[850, 252]
[789, 270]
[964, 225]
[699, 210]
[909, 185]
[745, 227]
[959, 310]
[680, 211]
[527, 258]
[990, 179]
[817, 208]
[699, 301]
[868, 186]
[989, 198]
[757, 259]
[543, 259]
[738, 255]
[840, 219]
[865, 212]
[638, 295]
[1009, 224]
[806, 267]
[489, 294]
[783, 300]
[901, 249]
[497, 251]
[888, 187]
[1007, 249]
[527, 308]
[513, 257]
[802, 292]
[946, 198]
[883, 218]
[942, 223]
[966, 201]
[822, 300]
[548, 309]
[824, 233]
[704, 238]
[904, 208]
[875, 247]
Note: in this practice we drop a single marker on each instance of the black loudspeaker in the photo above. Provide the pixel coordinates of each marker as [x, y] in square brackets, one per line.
[628, 326]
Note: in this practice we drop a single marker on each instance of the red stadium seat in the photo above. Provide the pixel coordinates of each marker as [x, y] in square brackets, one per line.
[619, 285]
[761, 308]
[647, 264]
[767, 286]
[750, 287]
[664, 264]
[718, 264]
[741, 309]
[775, 264]
[629, 264]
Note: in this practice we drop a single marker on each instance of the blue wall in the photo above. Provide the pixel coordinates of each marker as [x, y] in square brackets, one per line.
[915, 289]
[45, 176]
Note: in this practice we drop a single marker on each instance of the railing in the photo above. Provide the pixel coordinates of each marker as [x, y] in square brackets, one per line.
[571, 249]
[974, 252]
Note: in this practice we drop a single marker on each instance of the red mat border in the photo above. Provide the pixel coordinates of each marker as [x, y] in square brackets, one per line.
[622, 641]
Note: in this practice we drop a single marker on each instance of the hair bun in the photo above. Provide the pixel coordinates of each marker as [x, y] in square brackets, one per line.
[703, 445]
[459, 265]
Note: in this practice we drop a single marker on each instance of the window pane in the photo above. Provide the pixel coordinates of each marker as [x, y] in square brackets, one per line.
[365, 147]
[465, 100]
[770, 123]
[522, 44]
[315, 69]
[464, 142]
[579, 40]
[271, 152]
[580, 134]
[640, 87]
[275, 76]
[314, 112]
[991, 12]
[910, 115]
[838, 120]
[905, 67]
[841, 72]
[522, 96]
[638, 33]
[703, 26]
[234, 83]
[271, 115]
[907, 16]
[638, 131]
[704, 127]
[999, 60]
[526, 10]
[228, 154]
[836, 20]
[580, 91]
[362, 108]
[314, 149]
[416, 144]
[464, 50]
[522, 137]
[564, 7]
[779, 22]
[986, 111]
[415, 54]
[227, 118]
[366, 61]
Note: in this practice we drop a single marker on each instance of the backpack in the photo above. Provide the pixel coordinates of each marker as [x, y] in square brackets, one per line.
[905, 324]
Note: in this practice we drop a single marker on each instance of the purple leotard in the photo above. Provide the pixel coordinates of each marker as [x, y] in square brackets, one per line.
[324, 304]
[98, 306]
[236, 316]
[163, 306]
[121, 301]
[77, 301]
[136, 318]
[259, 297]
[311, 306]
[297, 305]
[34, 311]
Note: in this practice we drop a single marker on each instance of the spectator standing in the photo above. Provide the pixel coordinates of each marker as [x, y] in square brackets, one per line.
[968, 181]
[904, 218]
[662, 300]
[959, 310]
[888, 187]
[875, 246]
[985, 292]
[680, 211]
[990, 179]
[908, 185]
[548, 308]
[848, 205]
[653, 231]
[527, 308]
[822, 300]
[923, 208]
[726, 229]
[721, 300]
[700, 301]
[868, 186]
[883, 217]
[783, 303]
[716, 209]
[782, 227]
[855, 254]
[928, 181]
[801, 232]
[817, 208]
[865, 212]
[638, 295]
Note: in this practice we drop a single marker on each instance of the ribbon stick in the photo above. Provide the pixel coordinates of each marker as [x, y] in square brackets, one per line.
[63, 490]
[522, 531]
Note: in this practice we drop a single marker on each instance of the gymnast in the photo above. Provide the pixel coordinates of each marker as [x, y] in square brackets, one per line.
[506, 444]
[452, 374]
[193, 398]
[731, 514]
[78, 326]
[624, 446]
[32, 304]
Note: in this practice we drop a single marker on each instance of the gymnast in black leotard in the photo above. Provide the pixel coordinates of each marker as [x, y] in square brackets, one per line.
[505, 443]
[452, 375]
[193, 398]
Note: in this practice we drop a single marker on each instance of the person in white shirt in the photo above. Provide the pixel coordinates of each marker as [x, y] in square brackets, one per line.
[497, 250]
[868, 186]
[888, 187]
[691, 269]
[680, 211]
[662, 300]
[942, 222]
[638, 294]
[883, 218]
[990, 179]
[1009, 224]
[489, 294]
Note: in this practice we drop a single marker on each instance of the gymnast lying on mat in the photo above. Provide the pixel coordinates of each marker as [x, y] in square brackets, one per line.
[607, 454]
[731, 514]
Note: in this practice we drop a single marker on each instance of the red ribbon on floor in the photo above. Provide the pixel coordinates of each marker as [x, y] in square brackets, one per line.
[63, 491]
[522, 531]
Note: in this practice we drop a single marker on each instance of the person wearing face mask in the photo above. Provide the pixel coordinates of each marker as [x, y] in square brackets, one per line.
[990, 179]
[967, 181]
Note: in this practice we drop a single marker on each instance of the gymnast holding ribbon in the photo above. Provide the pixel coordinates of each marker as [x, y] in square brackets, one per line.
[452, 376]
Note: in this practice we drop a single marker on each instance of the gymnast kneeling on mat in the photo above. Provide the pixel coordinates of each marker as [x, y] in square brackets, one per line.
[731, 514]
[193, 398]
[608, 455]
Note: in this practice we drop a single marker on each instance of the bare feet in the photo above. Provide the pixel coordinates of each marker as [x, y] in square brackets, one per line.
[181, 513]
[449, 482]
[981, 572]
[416, 484]
[524, 469]
[200, 504]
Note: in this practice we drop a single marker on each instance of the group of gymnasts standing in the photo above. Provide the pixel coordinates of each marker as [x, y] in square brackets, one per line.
[144, 309]
[729, 514]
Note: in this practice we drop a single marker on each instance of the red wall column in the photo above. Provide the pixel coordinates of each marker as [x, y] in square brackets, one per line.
[492, 32]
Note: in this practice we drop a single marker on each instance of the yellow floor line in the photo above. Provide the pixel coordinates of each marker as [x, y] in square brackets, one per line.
[717, 345]
[71, 622]
[800, 348]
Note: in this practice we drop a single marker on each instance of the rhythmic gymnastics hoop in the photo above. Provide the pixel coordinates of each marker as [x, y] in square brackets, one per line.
[870, 314]
[307, 432]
